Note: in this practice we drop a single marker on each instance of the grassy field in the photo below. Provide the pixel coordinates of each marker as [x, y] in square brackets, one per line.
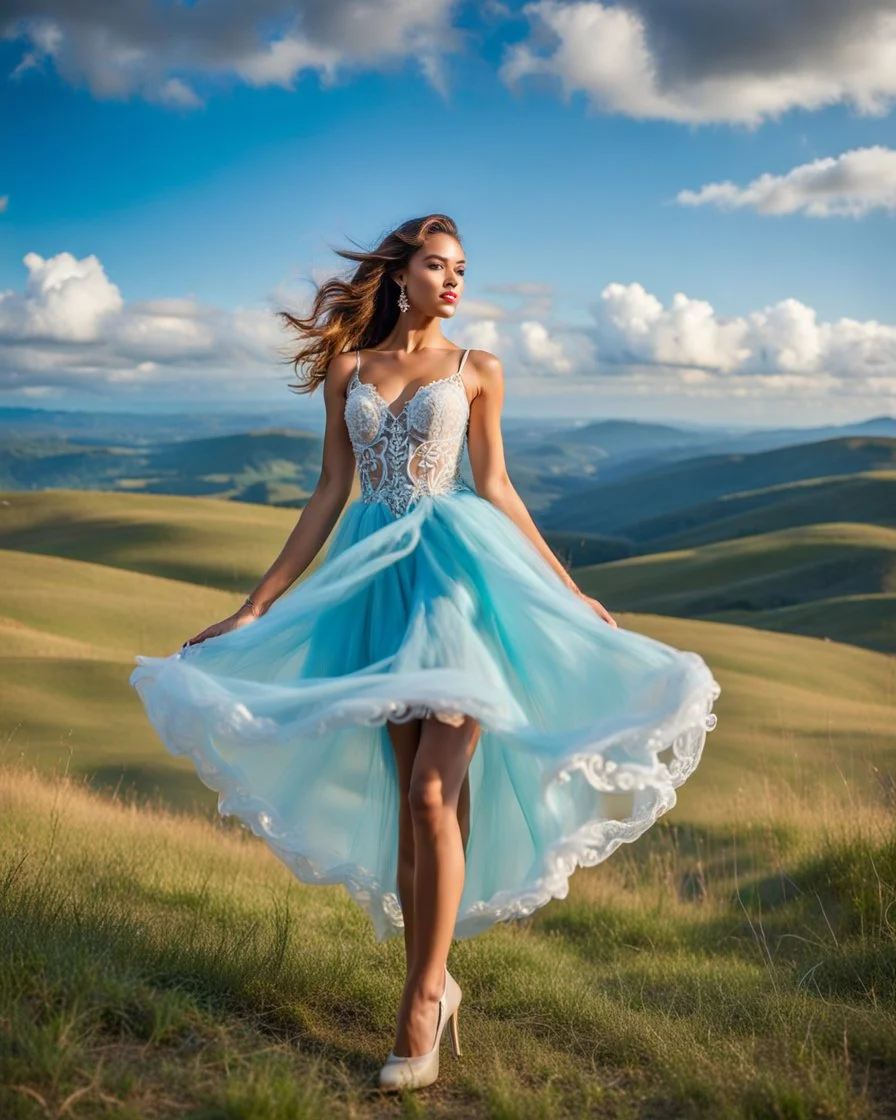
[738, 961]
[750, 578]
[862, 620]
[200, 540]
[161, 965]
[70, 630]
[86, 581]
[868, 497]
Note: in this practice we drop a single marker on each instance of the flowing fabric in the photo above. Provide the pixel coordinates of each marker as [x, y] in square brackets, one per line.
[448, 607]
[441, 607]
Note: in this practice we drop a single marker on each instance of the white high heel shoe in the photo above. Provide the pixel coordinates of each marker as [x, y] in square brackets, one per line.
[416, 1072]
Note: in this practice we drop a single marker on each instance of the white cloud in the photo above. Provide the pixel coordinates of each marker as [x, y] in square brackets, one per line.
[175, 92]
[700, 61]
[65, 300]
[544, 351]
[481, 309]
[482, 334]
[850, 185]
[633, 326]
[70, 328]
[788, 337]
[528, 348]
[164, 52]
[774, 344]
[277, 63]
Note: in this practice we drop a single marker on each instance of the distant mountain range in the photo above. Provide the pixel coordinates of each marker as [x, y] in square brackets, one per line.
[273, 467]
[615, 449]
[793, 529]
[230, 456]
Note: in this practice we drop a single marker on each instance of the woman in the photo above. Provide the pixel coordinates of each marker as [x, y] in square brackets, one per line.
[341, 721]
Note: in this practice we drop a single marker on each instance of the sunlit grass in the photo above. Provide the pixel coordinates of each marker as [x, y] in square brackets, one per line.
[158, 964]
[737, 961]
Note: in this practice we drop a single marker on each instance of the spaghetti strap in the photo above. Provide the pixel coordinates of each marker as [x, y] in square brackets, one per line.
[357, 361]
[460, 368]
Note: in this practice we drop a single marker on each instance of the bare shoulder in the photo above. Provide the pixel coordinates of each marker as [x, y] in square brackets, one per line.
[489, 371]
[339, 371]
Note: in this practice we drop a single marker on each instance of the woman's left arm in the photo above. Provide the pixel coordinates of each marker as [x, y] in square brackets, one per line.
[486, 449]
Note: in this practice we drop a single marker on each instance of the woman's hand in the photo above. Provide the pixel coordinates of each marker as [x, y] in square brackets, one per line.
[599, 609]
[239, 618]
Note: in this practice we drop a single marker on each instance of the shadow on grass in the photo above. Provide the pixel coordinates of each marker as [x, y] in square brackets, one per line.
[154, 548]
[148, 785]
[823, 926]
[128, 979]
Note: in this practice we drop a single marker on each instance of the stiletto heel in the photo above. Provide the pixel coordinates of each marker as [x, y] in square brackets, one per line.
[402, 1072]
[455, 1041]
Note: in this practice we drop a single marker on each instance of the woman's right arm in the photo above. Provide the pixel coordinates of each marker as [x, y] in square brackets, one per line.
[318, 516]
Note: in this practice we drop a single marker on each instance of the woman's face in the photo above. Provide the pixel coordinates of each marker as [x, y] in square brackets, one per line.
[436, 271]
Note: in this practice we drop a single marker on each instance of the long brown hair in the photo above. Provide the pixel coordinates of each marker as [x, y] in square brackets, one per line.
[359, 312]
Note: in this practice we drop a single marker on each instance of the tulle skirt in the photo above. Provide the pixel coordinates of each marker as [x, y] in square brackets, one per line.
[448, 609]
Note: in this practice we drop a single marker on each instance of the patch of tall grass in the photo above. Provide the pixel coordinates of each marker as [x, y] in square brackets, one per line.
[158, 964]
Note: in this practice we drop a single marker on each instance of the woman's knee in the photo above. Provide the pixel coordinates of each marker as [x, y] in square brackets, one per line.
[427, 803]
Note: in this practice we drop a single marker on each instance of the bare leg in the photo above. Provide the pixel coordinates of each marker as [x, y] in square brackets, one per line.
[463, 802]
[405, 738]
[440, 766]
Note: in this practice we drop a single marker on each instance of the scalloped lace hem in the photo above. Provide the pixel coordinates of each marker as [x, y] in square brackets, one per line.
[683, 732]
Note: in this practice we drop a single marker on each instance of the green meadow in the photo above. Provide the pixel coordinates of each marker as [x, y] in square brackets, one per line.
[685, 488]
[739, 960]
[784, 579]
[867, 497]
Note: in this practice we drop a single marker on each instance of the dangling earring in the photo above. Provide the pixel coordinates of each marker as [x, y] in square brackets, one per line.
[403, 301]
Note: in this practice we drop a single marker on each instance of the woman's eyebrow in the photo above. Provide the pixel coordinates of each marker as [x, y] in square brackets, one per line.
[461, 260]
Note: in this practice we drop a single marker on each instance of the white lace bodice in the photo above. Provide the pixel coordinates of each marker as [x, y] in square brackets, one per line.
[415, 451]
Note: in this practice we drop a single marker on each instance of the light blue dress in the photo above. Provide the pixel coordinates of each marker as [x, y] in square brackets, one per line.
[431, 601]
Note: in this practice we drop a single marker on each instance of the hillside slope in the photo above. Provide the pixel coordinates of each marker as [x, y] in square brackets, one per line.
[613, 507]
[745, 578]
[73, 628]
[777, 569]
[868, 497]
[228, 545]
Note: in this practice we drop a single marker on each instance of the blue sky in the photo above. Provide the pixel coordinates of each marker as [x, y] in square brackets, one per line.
[158, 206]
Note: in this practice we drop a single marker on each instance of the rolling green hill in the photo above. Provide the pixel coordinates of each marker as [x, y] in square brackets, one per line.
[868, 497]
[91, 578]
[33, 463]
[70, 629]
[863, 620]
[234, 463]
[611, 508]
[87, 580]
[789, 568]
[205, 541]
[577, 549]
[278, 464]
